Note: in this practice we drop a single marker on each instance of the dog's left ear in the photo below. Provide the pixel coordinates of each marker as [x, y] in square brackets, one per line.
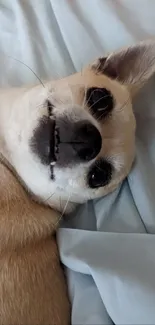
[132, 66]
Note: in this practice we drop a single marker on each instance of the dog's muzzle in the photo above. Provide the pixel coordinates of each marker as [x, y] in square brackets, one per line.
[65, 143]
[79, 142]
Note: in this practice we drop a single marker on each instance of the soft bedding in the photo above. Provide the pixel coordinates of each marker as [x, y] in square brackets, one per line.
[107, 246]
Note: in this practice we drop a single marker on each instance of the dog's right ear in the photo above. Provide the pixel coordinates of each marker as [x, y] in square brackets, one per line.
[131, 66]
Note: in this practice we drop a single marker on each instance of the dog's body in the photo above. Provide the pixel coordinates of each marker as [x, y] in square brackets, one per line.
[32, 284]
[61, 143]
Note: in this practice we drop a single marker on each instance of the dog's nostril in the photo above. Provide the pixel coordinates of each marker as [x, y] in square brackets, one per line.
[87, 142]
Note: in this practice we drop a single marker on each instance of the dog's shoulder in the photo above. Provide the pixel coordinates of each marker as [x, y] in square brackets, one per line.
[21, 218]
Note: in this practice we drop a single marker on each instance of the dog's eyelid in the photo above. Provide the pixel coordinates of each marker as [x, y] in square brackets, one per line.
[49, 107]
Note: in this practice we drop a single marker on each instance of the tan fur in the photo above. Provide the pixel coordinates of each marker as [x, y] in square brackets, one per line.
[32, 283]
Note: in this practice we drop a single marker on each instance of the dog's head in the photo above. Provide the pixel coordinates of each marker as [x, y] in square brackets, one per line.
[73, 139]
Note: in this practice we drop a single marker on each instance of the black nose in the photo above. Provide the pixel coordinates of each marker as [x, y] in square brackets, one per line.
[65, 142]
[87, 141]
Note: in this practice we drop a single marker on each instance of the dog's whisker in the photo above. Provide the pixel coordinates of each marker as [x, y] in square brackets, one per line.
[70, 89]
[89, 108]
[46, 200]
[60, 203]
[106, 96]
[58, 100]
[50, 96]
[9, 56]
[85, 93]
[87, 101]
[103, 115]
[43, 105]
[81, 70]
[125, 103]
[65, 208]
[56, 75]
[66, 205]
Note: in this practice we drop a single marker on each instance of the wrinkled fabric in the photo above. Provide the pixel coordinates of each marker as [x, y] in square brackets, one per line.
[107, 246]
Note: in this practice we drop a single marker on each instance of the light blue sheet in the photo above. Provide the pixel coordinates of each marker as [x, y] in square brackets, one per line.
[108, 246]
[111, 255]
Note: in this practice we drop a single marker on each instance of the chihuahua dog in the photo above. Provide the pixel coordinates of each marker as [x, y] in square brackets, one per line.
[61, 143]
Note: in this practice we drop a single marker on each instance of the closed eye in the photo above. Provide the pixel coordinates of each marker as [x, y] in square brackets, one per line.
[100, 101]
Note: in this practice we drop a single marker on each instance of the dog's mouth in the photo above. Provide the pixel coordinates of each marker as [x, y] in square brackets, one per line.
[54, 143]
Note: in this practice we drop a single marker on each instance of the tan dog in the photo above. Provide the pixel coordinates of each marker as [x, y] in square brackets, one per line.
[62, 143]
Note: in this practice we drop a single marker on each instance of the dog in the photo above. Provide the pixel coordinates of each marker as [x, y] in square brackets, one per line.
[62, 142]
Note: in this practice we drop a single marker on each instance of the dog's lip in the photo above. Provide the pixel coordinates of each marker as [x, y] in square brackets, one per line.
[54, 143]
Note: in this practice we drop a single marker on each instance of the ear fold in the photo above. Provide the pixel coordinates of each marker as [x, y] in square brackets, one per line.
[131, 66]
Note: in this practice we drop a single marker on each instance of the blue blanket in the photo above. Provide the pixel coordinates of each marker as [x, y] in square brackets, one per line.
[108, 246]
